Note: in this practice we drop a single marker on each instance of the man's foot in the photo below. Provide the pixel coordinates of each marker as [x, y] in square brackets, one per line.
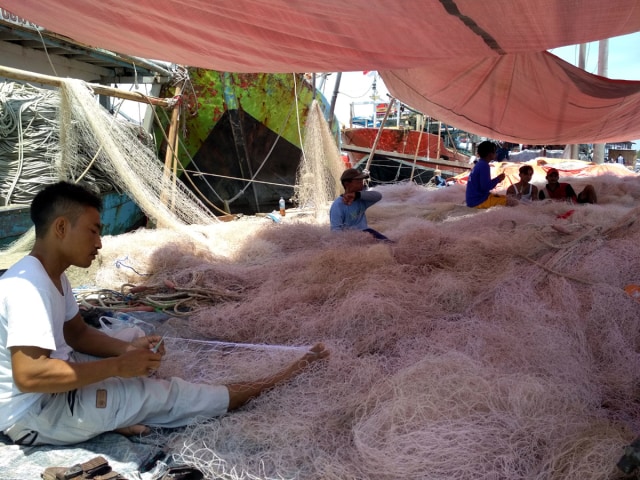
[317, 352]
[133, 430]
[241, 393]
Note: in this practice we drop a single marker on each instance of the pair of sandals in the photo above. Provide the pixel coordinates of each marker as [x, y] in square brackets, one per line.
[99, 469]
[95, 469]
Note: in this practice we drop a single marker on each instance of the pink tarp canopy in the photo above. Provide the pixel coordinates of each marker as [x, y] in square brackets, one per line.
[475, 64]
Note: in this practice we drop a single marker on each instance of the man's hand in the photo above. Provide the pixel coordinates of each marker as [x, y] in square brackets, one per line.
[501, 177]
[149, 343]
[348, 198]
[138, 362]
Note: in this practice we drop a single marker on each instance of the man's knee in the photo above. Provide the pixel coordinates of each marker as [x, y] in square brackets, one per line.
[588, 195]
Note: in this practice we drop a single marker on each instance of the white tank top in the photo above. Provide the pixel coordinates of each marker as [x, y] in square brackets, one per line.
[524, 197]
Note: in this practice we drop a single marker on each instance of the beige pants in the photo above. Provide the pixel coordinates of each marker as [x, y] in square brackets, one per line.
[76, 416]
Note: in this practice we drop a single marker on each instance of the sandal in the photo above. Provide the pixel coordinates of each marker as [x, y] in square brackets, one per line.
[95, 469]
[183, 472]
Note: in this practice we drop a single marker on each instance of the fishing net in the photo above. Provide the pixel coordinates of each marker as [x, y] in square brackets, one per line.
[129, 164]
[480, 345]
[65, 134]
[318, 176]
[216, 362]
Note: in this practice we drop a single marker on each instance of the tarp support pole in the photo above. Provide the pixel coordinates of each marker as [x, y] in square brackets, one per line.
[16, 74]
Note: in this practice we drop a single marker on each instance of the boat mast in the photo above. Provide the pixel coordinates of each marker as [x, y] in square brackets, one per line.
[334, 97]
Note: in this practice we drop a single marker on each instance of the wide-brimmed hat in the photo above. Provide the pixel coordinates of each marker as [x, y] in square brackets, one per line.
[352, 174]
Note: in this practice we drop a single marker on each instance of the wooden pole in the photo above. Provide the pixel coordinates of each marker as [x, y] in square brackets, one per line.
[171, 155]
[16, 74]
[379, 134]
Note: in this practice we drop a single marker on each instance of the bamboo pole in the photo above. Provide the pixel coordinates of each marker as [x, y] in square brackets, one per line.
[16, 74]
[171, 155]
[379, 134]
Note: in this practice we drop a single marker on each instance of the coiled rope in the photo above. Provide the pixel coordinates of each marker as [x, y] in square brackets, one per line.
[167, 298]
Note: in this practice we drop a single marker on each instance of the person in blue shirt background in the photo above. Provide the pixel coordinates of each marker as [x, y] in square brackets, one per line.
[480, 184]
[438, 179]
[347, 212]
[502, 153]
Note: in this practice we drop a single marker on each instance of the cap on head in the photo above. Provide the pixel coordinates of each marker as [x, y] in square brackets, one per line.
[352, 174]
[552, 171]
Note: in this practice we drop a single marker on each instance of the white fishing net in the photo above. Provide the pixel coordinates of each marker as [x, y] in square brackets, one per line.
[65, 134]
[128, 163]
[318, 177]
[481, 345]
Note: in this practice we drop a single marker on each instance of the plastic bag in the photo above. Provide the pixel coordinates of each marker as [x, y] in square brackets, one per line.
[125, 327]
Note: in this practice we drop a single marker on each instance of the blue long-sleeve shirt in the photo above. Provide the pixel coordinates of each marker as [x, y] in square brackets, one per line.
[345, 217]
[480, 184]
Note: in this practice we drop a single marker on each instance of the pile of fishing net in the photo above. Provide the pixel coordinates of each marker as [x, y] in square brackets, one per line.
[480, 345]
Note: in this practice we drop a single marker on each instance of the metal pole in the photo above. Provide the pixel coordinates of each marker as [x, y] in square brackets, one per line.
[582, 54]
[603, 71]
[334, 97]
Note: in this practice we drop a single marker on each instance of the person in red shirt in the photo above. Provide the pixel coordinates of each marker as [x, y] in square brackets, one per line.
[556, 190]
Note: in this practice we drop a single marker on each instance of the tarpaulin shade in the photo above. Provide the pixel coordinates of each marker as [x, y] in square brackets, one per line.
[533, 98]
[414, 42]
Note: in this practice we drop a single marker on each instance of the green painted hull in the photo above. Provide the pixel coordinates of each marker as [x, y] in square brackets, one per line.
[241, 127]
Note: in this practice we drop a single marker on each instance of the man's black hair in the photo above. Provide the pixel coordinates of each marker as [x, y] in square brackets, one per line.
[525, 168]
[485, 148]
[62, 198]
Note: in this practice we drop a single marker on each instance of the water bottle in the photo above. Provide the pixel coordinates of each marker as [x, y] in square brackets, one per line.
[281, 205]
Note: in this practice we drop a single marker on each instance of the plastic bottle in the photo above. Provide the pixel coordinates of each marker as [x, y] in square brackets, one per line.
[281, 204]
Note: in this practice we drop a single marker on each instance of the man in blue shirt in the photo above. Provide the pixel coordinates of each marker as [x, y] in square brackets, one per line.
[480, 184]
[348, 210]
[502, 153]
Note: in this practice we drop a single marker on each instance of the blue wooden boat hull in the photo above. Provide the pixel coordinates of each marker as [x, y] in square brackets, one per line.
[119, 215]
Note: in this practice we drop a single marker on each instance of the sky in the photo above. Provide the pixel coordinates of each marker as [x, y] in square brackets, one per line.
[624, 64]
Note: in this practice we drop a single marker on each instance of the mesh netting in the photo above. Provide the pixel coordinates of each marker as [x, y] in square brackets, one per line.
[129, 163]
[481, 345]
[318, 176]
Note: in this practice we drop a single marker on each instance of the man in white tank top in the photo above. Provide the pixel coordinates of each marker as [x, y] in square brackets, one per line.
[523, 191]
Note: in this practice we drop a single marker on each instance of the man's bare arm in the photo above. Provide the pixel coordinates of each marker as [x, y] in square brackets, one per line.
[34, 371]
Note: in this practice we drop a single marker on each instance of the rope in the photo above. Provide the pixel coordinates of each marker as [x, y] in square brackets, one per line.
[203, 174]
[28, 123]
[167, 298]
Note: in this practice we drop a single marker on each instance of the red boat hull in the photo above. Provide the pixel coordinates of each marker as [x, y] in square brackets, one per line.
[405, 142]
